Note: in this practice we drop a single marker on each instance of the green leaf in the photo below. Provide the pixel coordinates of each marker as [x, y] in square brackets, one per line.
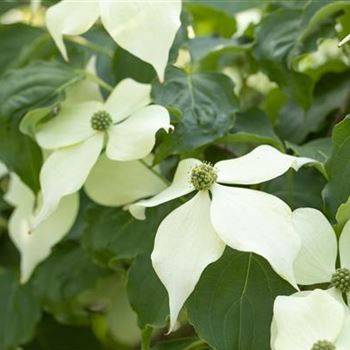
[181, 344]
[39, 84]
[330, 95]
[272, 47]
[110, 234]
[343, 213]
[209, 20]
[231, 307]
[337, 190]
[319, 149]
[207, 103]
[252, 126]
[298, 189]
[19, 312]
[147, 295]
[125, 65]
[18, 44]
[62, 278]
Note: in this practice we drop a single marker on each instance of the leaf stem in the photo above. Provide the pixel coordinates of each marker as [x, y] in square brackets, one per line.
[146, 337]
[90, 45]
[155, 172]
[99, 81]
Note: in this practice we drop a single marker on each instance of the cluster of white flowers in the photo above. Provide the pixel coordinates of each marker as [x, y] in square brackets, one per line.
[105, 147]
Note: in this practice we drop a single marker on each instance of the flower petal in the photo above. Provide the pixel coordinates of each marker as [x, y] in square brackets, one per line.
[70, 18]
[179, 187]
[185, 245]
[64, 172]
[71, 126]
[344, 246]
[146, 29]
[316, 260]
[257, 222]
[301, 321]
[135, 137]
[262, 164]
[113, 183]
[36, 246]
[343, 342]
[127, 98]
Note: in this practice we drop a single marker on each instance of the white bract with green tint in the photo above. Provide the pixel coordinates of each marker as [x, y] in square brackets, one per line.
[316, 261]
[125, 125]
[195, 234]
[35, 245]
[316, 320]
[145, 28]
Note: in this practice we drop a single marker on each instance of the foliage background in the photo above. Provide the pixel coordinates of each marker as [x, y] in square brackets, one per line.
[281, 81]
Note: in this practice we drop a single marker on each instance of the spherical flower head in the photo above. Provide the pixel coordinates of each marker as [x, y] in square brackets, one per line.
[323, 345]
[203, 176]
[101, 121]
[341, 280]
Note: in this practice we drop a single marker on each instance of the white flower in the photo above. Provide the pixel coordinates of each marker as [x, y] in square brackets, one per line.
[345, 40]
[317, 320]
[316, 261]
[35, 246]
[125, 123]
[194, 235]
[145, 28]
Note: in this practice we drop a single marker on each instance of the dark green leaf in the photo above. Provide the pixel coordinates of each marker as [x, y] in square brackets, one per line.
[147, 295]
[51, 335]
[207, 103]
[110, 234]
[19, 312]
[36, 85]
[62, 278]
[298, 189]
[338, 167]
[231, 307]
[254, 127]
[331, 94]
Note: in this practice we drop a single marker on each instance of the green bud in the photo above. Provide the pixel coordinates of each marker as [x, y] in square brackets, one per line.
[203, 177]
[341, 280]
[323, 345]
[101, 121]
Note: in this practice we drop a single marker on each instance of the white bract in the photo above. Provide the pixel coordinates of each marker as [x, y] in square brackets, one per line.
[145, 28]
[125, 125]
[316, 261]
[316, 320]
[35, 245]
[195, 234]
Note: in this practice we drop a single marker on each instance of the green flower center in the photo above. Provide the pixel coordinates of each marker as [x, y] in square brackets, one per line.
[101, 121]
[323, 345]
[203, 177]
[341, 280]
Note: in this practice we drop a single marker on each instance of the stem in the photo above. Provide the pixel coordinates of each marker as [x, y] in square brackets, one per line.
[90, 45]
[146, 338]
[99, 81]
[155, 172]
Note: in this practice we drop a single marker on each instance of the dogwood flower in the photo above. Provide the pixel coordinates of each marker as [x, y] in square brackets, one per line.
[35, 246]
[195, 234]
[316, 320]
[344, 41]
[125, 125]
[144, 28]
[316, 261]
